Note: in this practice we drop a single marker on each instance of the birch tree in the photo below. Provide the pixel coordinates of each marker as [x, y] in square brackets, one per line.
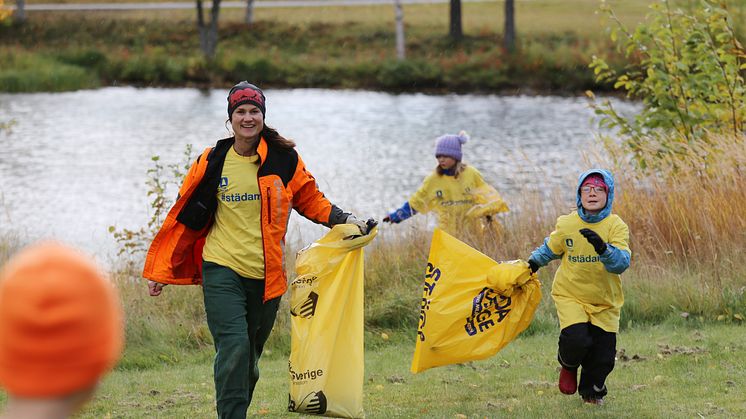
[249, 19]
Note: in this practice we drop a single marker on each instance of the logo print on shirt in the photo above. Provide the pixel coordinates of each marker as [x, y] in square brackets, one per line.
[568, 242]
[439, 193]
[223, 183]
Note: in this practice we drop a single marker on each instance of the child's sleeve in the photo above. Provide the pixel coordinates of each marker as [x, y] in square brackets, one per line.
[617, 256]
[419, 202]
[487, 200]
[403, 213]
[551, 249]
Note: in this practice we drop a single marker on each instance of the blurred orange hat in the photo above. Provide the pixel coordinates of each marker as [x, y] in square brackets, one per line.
[61, 322]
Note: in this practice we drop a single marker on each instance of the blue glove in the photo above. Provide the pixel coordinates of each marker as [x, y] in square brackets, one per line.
[401, 214]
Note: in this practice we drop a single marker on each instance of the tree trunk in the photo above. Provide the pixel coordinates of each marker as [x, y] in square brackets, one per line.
[208, 33]
[509, 36]
[249, 12]
[454, 30]
[400, 45]
[20, 14]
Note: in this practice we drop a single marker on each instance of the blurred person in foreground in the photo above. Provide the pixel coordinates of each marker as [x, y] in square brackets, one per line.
[61, 330]
[593, 244]
[455, 191]
[226, 231]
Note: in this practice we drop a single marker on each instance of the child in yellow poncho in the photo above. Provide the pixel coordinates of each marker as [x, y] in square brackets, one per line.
[456, 192]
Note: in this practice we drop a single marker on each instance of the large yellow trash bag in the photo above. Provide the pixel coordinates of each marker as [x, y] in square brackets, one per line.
[471, 306]
[326, 306]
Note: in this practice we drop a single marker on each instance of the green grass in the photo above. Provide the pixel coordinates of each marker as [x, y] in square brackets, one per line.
[681, 371]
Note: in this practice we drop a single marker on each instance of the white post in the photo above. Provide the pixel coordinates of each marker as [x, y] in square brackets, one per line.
[400, 51]
[249, 12]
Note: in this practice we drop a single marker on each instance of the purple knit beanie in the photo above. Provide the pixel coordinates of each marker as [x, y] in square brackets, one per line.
[450, 145]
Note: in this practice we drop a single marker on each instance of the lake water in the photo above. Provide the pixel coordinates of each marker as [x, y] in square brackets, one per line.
[75, 163]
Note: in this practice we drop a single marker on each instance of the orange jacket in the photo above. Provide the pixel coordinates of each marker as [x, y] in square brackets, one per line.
[175, 256]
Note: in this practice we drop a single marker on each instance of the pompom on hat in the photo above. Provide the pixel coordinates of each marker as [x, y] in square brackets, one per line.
[61, 322]
[450, 145]
[245, 92]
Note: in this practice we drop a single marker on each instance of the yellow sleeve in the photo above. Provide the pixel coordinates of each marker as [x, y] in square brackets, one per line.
[487, 198]
[619, 236]
[420, 201]
[556, 242]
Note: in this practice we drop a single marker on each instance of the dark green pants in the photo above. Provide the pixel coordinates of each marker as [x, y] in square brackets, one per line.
[240, 324]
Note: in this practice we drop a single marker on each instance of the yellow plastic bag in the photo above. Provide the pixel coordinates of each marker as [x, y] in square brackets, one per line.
[471, 306]
[326, 305]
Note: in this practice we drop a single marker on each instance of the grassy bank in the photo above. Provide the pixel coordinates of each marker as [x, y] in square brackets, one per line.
[340, 47]
[672, 371]
[343, 47]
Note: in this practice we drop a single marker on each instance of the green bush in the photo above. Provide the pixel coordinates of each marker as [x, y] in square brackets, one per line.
[153, 68]
[34, 73]
[260, 70]
[409, 74]
[86, 58]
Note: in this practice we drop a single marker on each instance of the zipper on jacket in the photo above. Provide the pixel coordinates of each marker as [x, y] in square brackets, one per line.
[261, 230]
[269, 208]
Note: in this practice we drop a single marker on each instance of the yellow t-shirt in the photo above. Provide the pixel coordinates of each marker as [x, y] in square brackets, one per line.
[456, 200]
[583, 290]
[235, 239]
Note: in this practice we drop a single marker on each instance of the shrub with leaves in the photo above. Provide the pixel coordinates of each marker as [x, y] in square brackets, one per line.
[7, 125]
[135, 241]
[687, 68]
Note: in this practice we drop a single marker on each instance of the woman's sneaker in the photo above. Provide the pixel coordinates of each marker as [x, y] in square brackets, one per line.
[568, 381]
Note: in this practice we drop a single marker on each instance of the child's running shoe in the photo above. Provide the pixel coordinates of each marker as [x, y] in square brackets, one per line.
[593, 400]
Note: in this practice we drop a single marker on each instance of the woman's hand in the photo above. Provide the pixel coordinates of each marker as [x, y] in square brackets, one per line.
[155, 288]
[363, 226]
